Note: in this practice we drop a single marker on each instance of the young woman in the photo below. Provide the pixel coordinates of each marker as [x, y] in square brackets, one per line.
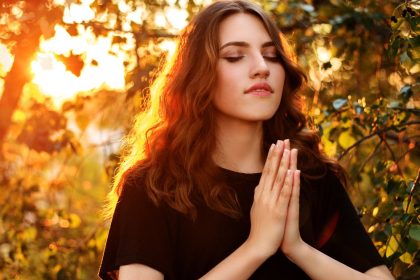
[222, 178]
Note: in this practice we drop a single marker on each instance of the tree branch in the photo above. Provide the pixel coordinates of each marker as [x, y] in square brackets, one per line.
[410, 196]
[373, 134]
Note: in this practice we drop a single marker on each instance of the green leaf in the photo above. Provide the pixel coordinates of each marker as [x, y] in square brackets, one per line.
[414, 232]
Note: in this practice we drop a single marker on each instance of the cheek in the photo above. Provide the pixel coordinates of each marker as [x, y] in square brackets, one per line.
[227, 84]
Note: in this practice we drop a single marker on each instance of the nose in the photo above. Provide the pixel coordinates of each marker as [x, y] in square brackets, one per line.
[259, 68]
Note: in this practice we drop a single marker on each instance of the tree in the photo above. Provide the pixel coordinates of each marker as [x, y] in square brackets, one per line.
[362, 62]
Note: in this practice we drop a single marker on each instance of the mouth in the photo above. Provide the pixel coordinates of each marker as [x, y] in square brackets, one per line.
[260, 89]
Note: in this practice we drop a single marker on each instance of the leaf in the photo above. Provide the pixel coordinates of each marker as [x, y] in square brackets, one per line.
[410, 209]
[75, 220]
[338, 103]
[307, 8]
[346, 139]
[74, 63]
[29, 234]
[405, 93]
[414, 232]
[392, 246]
[406, 258]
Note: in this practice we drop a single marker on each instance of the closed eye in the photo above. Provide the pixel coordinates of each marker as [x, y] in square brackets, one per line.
[233, 58]
[237, 58]
[272, 58]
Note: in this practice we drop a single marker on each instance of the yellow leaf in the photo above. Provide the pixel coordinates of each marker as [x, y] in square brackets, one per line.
[410, 209]
[19, 116]
[375, 211]
[392, 245]
[382, 250]
[346, 139]
[29, 234]
[281, 7]
[406, 258]
[74, 220]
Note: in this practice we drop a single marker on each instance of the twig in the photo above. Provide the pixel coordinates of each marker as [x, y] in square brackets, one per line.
[394, 159]
[410, 196]
[373, 134]
[370, 155]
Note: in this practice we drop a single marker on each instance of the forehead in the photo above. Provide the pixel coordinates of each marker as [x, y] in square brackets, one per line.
[243, 27]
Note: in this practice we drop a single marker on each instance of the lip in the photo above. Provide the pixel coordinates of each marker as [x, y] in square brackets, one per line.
[260, 89]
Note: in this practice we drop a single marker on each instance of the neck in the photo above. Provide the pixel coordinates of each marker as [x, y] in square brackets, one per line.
[239, 145]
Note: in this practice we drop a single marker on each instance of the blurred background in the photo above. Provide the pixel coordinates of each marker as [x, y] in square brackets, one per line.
[73, 73]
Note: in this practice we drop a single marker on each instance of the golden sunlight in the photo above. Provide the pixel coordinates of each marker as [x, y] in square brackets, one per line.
[78, 13]
[6, 61]
[101, 68]
[323, 54]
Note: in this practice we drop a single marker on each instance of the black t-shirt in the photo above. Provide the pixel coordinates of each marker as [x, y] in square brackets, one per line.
[170, 242]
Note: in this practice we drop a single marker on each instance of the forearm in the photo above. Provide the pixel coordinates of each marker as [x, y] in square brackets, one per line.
[319, 266]
[241, 264]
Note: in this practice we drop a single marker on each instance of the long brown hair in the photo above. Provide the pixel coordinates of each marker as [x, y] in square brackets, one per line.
[171, 143]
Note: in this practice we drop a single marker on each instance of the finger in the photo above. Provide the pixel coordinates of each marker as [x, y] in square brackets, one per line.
[287, 144]
[266, 166]
[285, 194]
[282, 169]
[294, 199]
[293, 159]
[271, 166]
[274, 166]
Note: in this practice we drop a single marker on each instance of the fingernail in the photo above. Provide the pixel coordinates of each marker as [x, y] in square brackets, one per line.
[271, 147]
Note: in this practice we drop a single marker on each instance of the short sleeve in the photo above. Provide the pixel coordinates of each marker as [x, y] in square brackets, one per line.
[347, 240]
[139, 233]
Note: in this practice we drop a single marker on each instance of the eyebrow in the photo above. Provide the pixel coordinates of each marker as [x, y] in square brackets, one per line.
[245, 44]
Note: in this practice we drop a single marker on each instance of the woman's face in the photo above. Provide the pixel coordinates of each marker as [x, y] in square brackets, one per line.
[249, 81]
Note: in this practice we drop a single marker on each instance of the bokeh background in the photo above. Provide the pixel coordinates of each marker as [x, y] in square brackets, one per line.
[73, 73]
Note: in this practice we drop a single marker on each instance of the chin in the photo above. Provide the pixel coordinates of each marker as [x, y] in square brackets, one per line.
[260, 118]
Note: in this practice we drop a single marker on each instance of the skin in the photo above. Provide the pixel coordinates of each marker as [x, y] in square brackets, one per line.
[275, 210]
[246, 57]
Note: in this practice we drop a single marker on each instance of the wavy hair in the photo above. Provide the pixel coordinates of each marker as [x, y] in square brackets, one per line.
[171, 143]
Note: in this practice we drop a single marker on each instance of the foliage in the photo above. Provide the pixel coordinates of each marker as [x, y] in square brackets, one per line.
[362, 62]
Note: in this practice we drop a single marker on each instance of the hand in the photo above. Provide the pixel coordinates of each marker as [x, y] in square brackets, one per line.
[271, 201]
[292, 239]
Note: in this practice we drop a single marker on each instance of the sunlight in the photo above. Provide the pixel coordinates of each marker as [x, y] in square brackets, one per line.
[138, 15]
[177, 18]
[101, 68]
[174, 17]
[103, 61]
[160, 20]
[168, 45]
[78, 13]
[323, 54]
[6, 60]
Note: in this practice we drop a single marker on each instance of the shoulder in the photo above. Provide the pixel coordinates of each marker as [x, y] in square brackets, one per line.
[135, 191]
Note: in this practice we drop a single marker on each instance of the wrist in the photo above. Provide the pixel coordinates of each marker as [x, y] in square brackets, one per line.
[256, 253]
[299, 251]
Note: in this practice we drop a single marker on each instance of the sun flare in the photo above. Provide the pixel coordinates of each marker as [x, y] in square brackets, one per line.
[101, 68]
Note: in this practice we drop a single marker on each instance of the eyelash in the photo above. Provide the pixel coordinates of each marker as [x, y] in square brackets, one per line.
[233, 59]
